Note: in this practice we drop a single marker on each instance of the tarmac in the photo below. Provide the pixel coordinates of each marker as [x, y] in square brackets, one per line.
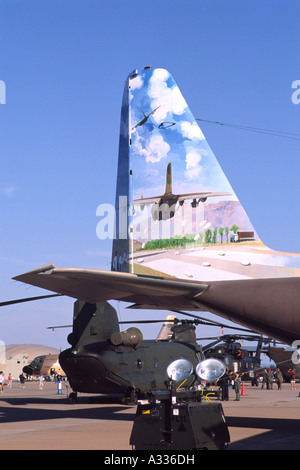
[33, 419]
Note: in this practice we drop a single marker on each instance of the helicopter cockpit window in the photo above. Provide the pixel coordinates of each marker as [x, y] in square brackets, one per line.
[37, 362]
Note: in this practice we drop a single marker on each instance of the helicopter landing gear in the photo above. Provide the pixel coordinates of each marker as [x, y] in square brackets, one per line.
[130, 398]
[72, 398]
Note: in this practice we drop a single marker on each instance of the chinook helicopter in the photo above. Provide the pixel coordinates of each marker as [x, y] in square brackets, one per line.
[102, 359]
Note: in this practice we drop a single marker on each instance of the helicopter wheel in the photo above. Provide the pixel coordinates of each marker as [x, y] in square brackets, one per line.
[130, 398]
[72, 398]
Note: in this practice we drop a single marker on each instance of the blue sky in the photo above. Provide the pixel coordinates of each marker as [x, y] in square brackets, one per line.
[64, 64]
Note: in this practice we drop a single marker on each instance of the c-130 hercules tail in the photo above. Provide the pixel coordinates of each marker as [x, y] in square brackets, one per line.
[197, 251]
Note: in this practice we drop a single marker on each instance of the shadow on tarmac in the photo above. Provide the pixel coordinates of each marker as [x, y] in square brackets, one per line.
[276, 433]
[36, 410]
[256, 433]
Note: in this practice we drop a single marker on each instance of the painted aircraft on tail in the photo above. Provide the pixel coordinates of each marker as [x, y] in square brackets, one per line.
[194, 260]
[164, 206]
[145, 118]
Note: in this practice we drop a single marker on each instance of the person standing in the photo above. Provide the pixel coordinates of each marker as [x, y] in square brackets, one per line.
[41, 382]
[10, 379]
[237, 385]
[293, 379]
[1, 381]
[278, 378]
[269, 380]
[264, 378]
[224, 384]
[22, 380]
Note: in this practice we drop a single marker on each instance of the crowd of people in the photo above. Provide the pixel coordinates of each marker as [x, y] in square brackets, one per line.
[3, 382]
[267, 378]
[21, 380]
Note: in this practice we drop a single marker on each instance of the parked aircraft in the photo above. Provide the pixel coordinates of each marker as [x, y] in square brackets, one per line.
[103, 359]
[286, 359]
[236, 357]
[47, 365]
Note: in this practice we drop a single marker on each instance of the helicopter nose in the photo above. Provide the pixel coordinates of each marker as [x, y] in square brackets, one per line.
[86, 373]
[28, 370]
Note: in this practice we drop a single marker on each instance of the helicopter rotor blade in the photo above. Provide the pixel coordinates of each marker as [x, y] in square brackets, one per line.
[58, 326]
[126, 322]
[27, 299]
[120, 323]
[149, 321]
[214, 323]
[236, 336]
[183, 321]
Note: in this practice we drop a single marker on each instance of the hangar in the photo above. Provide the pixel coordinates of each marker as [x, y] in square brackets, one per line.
[15, 356]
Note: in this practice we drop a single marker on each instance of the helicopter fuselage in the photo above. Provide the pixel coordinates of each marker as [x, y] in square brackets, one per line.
[104, 368]
[236, 359]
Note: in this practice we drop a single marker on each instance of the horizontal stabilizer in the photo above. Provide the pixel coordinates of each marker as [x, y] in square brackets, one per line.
[96, 286]
[255, 303]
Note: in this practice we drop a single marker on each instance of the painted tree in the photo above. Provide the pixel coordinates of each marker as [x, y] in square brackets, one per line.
[234, 229]
[214, 238]
[227, 234]
[221, 232]
[208, 236]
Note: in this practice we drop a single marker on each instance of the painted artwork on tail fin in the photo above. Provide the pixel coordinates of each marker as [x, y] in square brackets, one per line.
[184, 219]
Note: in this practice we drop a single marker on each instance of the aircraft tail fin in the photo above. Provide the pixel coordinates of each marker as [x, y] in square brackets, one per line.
[165, 331]
[169, 179]
[199, 208]
[92, 323]
[122, 216]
